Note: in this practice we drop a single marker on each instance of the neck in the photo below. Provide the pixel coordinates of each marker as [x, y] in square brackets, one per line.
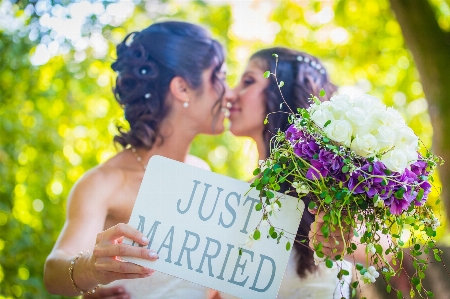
[175, 145]
[262, 146]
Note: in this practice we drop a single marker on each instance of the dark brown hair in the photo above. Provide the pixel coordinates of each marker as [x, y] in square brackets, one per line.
[303, 75]
[146, 63]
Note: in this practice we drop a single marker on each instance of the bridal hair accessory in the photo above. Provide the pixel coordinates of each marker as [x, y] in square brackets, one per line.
[72, 265]
[130, 39]
[363, 169]
[312, 63]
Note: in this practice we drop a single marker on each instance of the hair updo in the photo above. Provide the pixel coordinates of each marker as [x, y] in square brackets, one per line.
[146, 63]
[303, 76]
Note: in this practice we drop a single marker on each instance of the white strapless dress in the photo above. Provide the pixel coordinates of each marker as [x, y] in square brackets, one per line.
[323, 284]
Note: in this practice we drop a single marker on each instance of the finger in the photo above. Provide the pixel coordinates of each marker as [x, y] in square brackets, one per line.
[125, 250]
[122, 230]
[110, 265]
[117, 276]
[313, 211]
[107, 292]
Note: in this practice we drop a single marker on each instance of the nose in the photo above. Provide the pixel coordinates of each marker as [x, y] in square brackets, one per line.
[229, 97]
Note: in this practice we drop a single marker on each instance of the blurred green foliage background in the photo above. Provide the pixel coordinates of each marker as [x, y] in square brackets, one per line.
[58, 115]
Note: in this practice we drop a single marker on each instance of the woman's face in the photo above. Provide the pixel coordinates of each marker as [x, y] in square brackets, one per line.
[247, 111]
[208, 101]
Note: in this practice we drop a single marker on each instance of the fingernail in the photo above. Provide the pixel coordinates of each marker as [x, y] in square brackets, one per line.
[145, 240]
[153, 255]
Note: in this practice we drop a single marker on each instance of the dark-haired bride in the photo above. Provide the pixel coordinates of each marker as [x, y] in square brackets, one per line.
[169, 95]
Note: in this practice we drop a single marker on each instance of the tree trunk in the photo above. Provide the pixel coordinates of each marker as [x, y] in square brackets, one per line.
[430, 47]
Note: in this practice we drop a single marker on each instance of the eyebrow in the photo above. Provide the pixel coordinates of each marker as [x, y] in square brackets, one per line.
[248, 73]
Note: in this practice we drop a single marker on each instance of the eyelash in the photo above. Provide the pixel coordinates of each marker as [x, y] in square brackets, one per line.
[248, 81]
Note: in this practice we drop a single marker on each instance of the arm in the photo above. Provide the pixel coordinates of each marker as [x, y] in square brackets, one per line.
[86, 213]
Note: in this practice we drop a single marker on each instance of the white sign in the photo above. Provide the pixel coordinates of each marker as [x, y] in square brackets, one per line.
[197, 220]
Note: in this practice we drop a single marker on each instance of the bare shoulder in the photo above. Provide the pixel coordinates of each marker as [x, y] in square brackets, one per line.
[99, 184]
[197, 162]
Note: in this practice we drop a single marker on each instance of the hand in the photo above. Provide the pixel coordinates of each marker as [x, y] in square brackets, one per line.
[105, 258]
[334, 244]
[109, 293]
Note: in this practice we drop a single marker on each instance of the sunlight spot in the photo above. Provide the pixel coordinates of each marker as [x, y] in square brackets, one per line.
[57, 188]
[40, 56]
[339, 36]
[38, 205]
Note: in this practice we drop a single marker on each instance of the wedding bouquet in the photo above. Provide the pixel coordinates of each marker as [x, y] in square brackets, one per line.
[362, 167]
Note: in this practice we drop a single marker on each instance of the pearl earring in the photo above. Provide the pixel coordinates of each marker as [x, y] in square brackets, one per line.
[186, 104]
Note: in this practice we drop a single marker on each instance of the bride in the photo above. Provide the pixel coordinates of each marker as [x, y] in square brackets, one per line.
[255, 97]
[169, 95]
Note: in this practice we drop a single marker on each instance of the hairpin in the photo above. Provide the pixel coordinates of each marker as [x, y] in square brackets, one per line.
[143, 71]
[130, 39]
[147, 95]
[312, 63]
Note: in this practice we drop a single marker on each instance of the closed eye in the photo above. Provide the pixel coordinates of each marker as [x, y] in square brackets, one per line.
[248, 81]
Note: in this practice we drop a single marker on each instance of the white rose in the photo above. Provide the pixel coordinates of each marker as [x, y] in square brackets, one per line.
[377, 118]
[394, 117]
[339, 105]
[365, 146]
[409, 151]
[405, 135]
[368, 103]
[357, 118]
[385, 138]
[340, 131]
[320, 117]
[322, 106]
[395, 160]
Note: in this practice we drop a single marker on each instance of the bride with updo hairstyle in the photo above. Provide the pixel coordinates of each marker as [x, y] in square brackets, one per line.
[146, 63]
[170, 83]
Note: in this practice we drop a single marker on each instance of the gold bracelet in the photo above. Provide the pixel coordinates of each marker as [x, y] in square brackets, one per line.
[72, 264]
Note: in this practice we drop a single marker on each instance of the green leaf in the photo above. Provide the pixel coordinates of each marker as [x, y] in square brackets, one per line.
[256, 171]
[410, 220]
[258, 207]
[281, 84]
[266, 74]
[399, 295]
[256, 235]
[437, 257]
[345, 169]
[288, 245]
[388, 288]
[420, 194]
[322, 93]
[266, 121]
[329, 263]
[327, 123]
[312, 205]
[275, 55]
[271, 230]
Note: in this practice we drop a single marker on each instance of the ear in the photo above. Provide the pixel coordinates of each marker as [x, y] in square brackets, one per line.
[179, 89]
